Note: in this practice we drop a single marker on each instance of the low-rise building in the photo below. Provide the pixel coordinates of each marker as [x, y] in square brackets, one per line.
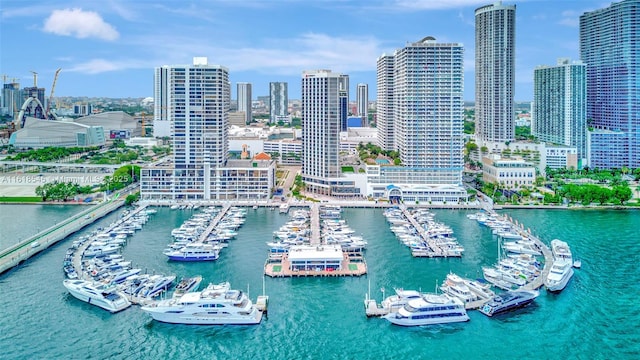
[510, 173]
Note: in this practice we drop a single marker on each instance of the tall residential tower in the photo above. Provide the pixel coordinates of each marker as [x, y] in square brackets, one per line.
[278, 100]
[362, 101]
[244, 100]
[559, 105]
[610, 46]
[495, 72]
[384, 102]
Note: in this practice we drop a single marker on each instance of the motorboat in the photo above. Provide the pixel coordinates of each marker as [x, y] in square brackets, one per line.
[194, 252]
[559, 275]
[186, 285]
[217, 304]
[429, 309]
[561, 251]
[101, 295]
[455, 286]
[399, 299]
[509, 300]
[157, 285]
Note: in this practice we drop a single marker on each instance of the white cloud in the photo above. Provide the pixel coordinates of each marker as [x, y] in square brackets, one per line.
[97, 66]
[80, 24]
[570, 18]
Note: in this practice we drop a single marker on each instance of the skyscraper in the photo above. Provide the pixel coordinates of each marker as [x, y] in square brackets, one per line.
[244, 100]
[195, 100]
[495, 72]
[384, 102]
[343, 95]
[560, 113]
[362, 101]
[320, 129]
[278, 100]
[428, 109]
[610, 46]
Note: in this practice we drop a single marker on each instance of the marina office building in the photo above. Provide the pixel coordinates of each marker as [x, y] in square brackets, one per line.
[195, 101]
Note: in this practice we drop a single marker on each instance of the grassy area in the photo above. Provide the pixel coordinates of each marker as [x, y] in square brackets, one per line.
[347, 169]
[20, 199]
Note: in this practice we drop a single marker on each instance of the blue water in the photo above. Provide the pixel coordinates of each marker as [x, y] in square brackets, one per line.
[595, 317]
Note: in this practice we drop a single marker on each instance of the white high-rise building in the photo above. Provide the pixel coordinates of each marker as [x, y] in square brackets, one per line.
[495, 72]
[428, 110]
[195, 101]
[362, 101]
[321, 124]
[244, 100]
[384, 102]
[560, 105]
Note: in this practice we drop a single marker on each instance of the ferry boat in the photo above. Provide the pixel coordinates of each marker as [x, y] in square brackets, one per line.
[103, 296]
[509, 300]
[559, 276]
[194, 252]
[429, 309]
[217, 304]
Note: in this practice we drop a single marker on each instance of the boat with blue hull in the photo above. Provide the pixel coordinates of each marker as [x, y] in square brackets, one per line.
[509, 300]
[194, 252]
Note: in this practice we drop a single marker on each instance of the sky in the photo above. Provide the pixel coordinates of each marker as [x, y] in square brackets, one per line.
[109, 48]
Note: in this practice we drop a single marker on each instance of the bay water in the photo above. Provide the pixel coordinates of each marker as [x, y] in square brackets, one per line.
[595, 317]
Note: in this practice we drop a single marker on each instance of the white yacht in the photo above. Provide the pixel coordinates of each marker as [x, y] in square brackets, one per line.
[215, 305]
[559, 275]
[561, 251]
[455, 286]
[394, 302]
[103, 296]
[194, 252]
[429, 309]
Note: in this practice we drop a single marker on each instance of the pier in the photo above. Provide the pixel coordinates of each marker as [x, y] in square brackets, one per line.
[33, 245]
[315, 224]
[77, 256]
[282, 268]
[214, 223]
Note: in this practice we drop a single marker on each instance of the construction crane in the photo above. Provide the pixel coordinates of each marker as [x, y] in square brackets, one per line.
[53, 87]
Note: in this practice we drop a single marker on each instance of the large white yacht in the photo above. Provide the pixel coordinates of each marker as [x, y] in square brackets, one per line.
[429, 309]
[394, 302]
[559, 275]
[561, 251]
[455, 286]
[104, 296]
[194, 252]
[217, 304]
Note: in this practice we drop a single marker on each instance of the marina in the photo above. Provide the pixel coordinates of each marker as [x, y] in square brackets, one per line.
[329, 299]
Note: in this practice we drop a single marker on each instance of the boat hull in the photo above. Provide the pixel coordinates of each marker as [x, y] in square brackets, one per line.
[193, 258]
[557, 286]
[112, 306]
[204, 318]
[426, 321]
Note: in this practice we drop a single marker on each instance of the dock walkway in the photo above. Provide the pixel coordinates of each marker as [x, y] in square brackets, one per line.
[214, 223]
[77, 255]
[315, 224]
[435, 249]
[29, 247]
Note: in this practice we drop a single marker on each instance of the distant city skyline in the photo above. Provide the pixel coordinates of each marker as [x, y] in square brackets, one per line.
[111, 49]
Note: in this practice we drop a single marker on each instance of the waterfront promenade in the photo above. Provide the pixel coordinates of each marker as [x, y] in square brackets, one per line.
[31, 246]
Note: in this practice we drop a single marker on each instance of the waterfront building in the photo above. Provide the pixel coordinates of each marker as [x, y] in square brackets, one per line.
[609, 45]
[560, 105]
[321, 124]
[244, 100]
[426, 75]
[509, 173]
[197, 106]
[39, 133]
[362, 101]
[495, 72]
[384, 102]
[278, 101]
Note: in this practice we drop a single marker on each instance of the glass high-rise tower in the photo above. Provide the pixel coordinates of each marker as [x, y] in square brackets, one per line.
[278, 100]
[244, 100]
[610, 46]
[495, 72]
[559, 105]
